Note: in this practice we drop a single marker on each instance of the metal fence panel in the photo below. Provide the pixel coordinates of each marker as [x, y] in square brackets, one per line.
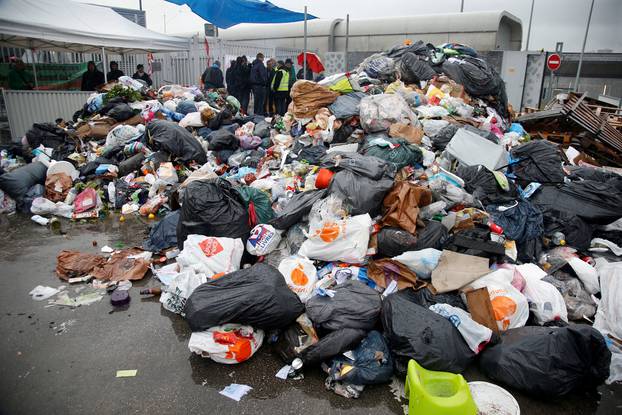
[27, 107]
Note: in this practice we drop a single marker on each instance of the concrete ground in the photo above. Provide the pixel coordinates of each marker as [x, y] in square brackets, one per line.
[58, 360]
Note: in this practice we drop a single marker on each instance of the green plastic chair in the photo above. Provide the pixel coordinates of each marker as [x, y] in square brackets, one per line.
[437, 393]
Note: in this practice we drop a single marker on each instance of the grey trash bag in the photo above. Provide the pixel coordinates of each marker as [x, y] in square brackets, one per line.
[540, 161]
[257, 296]
[548, 362]
[346, 106]
[395, 241]
[578, 301]
[163, 234]
[415, 332]
[17, 182]
[262, 129]
[353, 305]
[297, 207]
[332, 344]
[368, 166]
[172, 138]
[359, 193]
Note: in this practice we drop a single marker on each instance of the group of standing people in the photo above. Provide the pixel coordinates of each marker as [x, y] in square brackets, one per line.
[93, 77]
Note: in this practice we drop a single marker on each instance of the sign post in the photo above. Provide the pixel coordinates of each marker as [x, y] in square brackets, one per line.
[553, 62]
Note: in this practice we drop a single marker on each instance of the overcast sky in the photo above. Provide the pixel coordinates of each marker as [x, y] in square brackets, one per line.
[553, 20]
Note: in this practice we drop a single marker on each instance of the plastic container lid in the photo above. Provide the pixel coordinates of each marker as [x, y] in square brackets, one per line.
[119, 297]
[63, 167]
[491, 399]
[323, 178]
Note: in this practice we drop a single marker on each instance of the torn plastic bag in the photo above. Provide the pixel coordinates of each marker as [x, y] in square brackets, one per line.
[310, 154]
[415, 332]
[538, 161]
[421, 262]
[579, 303]
[378, 66]
[297, 207]
[176, 294]
[211, 256]
[346, 106]
[262, 129]
[229, 343]
[170, 137]
[485, 187]
[548, 362]
[396, 151]
[595, 202]
[212, 207]
[368, 166]
[372, 363]
[402, 205]
[16, 183]
[163, 234]
[361, 194]
[545, 301]
[258, 202]
[378, 112]
[332, 344]
[395, 241]
[352, 305]
[292, 341]
[414, 68]
[474, 334]
[257, 296]
[586, 273]
[51, 136]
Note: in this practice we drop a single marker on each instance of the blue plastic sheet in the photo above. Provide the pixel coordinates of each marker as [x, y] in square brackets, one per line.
[227, 13]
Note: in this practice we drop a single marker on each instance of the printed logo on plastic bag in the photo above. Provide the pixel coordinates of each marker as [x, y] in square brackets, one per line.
[211, 247]
[300, 275]
[262, 240]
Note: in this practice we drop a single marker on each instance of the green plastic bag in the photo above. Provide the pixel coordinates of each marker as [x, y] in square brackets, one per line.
[261, 202]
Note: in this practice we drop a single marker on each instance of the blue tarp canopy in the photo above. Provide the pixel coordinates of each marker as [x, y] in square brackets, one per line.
[227, 13]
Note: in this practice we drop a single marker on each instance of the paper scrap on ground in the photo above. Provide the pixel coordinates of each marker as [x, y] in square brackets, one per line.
[235, 391]
[41, 292]
[107, 250]
[127, 373]
[283, 372]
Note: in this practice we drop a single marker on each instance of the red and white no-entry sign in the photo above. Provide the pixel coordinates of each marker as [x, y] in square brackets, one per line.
[553, 62]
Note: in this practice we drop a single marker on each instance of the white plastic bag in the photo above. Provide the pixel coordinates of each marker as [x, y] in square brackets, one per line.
[43, 206]
[344, 240]
[420, 262]
[211, 256]
[608, 318]
[176, 294]
[546, 302]
[474, 334]
[586, 273]
[263, 240]
[122, 134]
[229, 343]
[378, 112]
[300, 275]
[509, 305]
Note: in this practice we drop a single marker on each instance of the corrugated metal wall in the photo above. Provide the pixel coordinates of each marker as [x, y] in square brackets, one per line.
[27, 107]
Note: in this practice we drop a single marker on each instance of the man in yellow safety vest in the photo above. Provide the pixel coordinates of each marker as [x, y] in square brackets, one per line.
[280, 86]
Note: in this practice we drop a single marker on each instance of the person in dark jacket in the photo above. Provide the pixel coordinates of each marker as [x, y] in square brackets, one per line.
[300, 74]
[115, 73]
[92, 78]
[212, 77]
[280, 86]
[259, 80]
[289, 65]
[270, 103]
[229, 78]
[241, 79]
[142, 75]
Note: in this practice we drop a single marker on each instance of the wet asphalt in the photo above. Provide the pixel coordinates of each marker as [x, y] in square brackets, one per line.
[62, 360]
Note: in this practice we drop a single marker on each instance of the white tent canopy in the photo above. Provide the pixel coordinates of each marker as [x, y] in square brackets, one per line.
[70, 26]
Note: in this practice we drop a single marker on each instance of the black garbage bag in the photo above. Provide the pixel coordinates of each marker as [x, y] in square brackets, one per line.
[343, 133]
[433, 235]
[577, 232]
[418, 48]
[223, 139]
[172, 138]
[590, 173]
[51, 136]
[310, 154]
[415, 68]
[444, 136]
[186, 107]
[257, 296]
[346, 106]
[395, 241]
[548, 362]
[361, 194]
[212, 207]
[578, 301]
[425, 298]
[332, 344]
[163, 234]
[538, 161]
[372, 362]
[522, 223]
[594, 202]
[120, 112]
[298, 206]
[481, 183]
[131, 164]
[16, 183]
[367, 166]
[262, 129]
[354, 305]
[415, 332]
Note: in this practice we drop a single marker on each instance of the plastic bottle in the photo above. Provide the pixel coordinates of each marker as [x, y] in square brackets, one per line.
[151, 291]
[71, 196]
[558, 239]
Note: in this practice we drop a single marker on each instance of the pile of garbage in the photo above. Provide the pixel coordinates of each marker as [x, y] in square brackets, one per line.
[394, 213]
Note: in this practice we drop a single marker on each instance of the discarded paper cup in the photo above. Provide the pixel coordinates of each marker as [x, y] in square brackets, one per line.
[323, 178]
[492, 399]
